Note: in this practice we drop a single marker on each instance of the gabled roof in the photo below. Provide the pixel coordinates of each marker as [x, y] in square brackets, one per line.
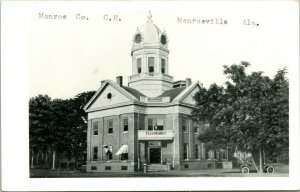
[172, 93]
[134, 92]
[128, 92]
[186, 91]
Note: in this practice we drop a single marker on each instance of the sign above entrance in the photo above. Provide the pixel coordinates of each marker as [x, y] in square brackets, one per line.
[155, 135]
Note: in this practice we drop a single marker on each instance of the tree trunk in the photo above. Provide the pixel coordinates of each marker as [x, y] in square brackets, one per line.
[46, 159]
[32, 159]
[53, 160]
[260, 161]
[37, 158]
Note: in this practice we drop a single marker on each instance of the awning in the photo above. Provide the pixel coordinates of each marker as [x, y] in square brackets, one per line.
[123, 149]
[107, 148]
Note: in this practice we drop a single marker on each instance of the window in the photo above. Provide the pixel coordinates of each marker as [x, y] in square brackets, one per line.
[159, 124]
[211, 154]
[185, 151]
[139, 65]
[196, 130]
[156, 124]
[110, 126]
[124, 156]
[184, 125]
[151, 64]
[125, 124]
[150, 124]
[202, 151]
[223, 154]
[95, 128]
[197, 155]
[95, 154]
[108, 151]
[163, 66]
[93, 168]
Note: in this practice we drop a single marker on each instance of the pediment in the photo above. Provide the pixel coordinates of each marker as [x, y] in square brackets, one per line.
[108, 95]
[189, 98]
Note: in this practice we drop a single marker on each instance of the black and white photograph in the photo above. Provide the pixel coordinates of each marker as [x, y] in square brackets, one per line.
[148, 95]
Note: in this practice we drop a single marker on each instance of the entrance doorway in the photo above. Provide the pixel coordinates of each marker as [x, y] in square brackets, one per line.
[155, 155]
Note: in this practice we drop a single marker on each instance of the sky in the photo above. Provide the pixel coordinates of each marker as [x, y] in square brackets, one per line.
[70, 56]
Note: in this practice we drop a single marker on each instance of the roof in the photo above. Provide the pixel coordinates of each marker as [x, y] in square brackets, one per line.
[172, 93]
[150, 32]
[133, 92]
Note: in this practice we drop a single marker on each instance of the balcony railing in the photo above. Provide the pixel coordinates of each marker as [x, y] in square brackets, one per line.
[155, 135]
[151, 75]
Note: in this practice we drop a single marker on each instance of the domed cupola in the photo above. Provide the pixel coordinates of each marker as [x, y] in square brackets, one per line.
[149, 34]
[150, 62]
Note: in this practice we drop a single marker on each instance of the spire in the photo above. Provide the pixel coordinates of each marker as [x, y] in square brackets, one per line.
[149, 16]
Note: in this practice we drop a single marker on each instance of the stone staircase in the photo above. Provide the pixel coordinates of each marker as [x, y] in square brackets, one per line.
[158, 168]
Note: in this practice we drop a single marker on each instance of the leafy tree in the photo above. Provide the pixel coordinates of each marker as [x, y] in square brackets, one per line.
[39, 112]
[250, 113]
[58, 125]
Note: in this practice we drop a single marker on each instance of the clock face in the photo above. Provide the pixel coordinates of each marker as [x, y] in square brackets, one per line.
[163, 39]
[138, 38]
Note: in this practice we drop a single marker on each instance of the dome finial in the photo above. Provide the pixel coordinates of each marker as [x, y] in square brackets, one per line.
[149, 16]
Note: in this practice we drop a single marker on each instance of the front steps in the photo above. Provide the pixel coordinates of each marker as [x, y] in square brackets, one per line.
[158, 168]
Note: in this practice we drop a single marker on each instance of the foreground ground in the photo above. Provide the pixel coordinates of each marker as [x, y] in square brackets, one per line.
[44, 173]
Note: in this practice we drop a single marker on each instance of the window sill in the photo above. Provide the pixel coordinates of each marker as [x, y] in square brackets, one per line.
[125, 131]
[186, 159]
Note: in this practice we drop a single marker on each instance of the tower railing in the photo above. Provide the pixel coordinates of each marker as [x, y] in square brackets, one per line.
[145, 75]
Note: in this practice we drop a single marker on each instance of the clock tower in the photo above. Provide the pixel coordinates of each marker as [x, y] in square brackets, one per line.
[150, 60]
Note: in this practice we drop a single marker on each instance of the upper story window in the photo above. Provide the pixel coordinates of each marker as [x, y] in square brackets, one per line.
[184, 125]
[163, 66]
[125, 124]
[95, 128]
[139, 65]
[110, 126]
[151, 64]
[150, 124]
[155, 124]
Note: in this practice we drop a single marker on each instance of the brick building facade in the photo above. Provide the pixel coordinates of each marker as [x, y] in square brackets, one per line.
[146, 123]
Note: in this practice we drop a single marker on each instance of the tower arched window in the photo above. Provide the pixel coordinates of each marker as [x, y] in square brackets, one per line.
[163, 66]
[139, 65]
[151, 64]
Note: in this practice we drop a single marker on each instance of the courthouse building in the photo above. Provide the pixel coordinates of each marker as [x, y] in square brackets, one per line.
[147, 124]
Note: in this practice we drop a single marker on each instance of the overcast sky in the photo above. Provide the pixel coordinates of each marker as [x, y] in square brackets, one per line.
[67, 57]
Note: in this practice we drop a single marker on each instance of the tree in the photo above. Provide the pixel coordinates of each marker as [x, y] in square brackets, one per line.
[58, 125]
[250, 113]
[39, 112]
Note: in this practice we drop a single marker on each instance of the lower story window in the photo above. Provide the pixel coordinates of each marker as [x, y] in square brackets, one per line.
[124, 156]
[185, 151]
[197, 155]
[95, 154]
[108, 152]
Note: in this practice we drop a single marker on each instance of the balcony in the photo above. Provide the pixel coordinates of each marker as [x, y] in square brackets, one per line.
[155, 135]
